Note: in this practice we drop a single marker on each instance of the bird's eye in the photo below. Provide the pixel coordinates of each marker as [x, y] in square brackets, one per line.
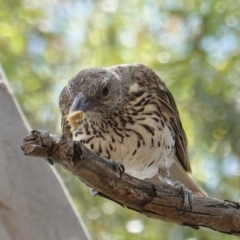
[105, 91]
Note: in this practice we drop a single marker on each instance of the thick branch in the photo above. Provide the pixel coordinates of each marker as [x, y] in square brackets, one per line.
[160, 201]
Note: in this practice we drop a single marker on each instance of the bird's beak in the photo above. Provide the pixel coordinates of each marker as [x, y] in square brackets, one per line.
[81, 103]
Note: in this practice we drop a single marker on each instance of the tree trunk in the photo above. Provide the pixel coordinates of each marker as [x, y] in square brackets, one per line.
[34, 203]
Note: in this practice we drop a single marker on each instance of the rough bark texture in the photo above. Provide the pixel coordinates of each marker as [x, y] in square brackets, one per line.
[34, 204]
[158, 201]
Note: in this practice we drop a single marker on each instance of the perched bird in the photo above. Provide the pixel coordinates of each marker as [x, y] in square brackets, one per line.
[126, 113]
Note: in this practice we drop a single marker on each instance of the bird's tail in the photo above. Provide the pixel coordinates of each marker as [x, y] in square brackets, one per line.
[178, 173]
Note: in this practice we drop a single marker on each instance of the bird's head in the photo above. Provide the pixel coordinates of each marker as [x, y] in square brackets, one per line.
[98, 91]
[105, 93]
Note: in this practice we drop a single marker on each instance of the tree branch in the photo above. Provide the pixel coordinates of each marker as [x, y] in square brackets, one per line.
[160, 201]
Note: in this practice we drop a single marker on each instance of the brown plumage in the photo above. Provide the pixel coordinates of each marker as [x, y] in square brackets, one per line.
[131, 117]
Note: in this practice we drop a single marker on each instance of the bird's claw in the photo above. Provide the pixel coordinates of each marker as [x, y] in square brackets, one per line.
[187, 196]
[184, 191]
[118, 167]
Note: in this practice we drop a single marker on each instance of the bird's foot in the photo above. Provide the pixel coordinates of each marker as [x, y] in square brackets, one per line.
[117, 166]
[183, 190]
[187, 195]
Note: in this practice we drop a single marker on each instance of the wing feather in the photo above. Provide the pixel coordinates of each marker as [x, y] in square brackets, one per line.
[149, 80]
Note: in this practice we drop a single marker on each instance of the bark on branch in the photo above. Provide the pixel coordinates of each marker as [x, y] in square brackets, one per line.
[160, 201]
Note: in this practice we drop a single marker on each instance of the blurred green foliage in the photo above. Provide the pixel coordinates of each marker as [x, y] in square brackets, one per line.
[193, 45]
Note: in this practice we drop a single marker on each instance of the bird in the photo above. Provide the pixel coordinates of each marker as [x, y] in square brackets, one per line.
[126, 113]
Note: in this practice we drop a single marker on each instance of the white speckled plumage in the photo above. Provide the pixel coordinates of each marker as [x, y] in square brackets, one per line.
[155, 151]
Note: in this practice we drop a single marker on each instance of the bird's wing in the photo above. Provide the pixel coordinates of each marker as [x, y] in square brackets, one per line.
[169, 110]
[148, 79]
[64, 105]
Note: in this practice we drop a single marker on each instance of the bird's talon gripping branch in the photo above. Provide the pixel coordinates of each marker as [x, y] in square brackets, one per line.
[187, 199]
[117, 167]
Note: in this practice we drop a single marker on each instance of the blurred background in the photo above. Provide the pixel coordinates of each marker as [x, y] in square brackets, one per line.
[192, 44]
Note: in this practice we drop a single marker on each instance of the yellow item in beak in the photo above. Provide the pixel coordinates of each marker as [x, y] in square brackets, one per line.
[75, 119]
